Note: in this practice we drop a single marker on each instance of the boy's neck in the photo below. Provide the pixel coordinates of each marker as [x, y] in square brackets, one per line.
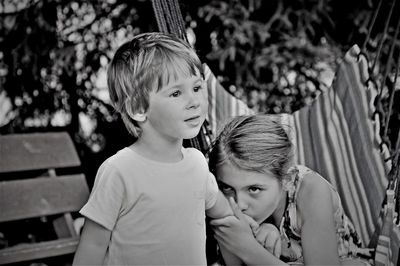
[158, 149]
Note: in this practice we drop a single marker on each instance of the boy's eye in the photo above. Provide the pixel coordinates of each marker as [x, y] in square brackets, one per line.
[197, 88]
[175, 94]
[254, 190]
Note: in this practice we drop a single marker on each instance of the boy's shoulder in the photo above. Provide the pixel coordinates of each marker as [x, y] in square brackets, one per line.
[121, 157]
[194, 153]
[126, 157]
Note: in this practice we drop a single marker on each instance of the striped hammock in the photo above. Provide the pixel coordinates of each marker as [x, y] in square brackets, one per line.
[336, 136]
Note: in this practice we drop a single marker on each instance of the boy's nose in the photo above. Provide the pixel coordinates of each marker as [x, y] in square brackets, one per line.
[194, 100]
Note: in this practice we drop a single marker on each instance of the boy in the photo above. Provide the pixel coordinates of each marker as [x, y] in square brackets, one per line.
[148, 203]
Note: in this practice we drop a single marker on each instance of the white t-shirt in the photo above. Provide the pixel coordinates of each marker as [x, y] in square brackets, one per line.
[156, 211]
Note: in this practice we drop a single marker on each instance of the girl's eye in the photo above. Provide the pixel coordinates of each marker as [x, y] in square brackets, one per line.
[225, 189]
[254, 190]
[175, 94]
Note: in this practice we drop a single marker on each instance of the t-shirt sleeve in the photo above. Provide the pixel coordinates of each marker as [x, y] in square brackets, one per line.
[211, 191]
[105, 201]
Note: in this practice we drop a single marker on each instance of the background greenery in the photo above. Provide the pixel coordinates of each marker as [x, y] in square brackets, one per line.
[275, 55]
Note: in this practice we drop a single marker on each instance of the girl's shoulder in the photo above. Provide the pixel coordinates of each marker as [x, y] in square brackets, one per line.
[307, 178]
[309, 185]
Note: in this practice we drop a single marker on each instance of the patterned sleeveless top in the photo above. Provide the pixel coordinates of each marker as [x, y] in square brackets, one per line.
[349, 244]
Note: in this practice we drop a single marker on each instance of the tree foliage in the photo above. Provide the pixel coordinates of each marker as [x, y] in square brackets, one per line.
[54, 56]
[271, 54]
[276, 55]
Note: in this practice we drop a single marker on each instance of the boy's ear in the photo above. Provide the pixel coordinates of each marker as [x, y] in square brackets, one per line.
[140, 117]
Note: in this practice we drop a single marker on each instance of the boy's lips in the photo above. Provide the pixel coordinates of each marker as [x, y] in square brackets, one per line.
[194, 120]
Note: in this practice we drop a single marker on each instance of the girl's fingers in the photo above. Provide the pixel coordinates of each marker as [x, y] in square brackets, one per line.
[269, 237]
[261, 237]
[278, 248]
[269, 243]
[241, 216]
[235, 208]
[273, 243]
[253, 224]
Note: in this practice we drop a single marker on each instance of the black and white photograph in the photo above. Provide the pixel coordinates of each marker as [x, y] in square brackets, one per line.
[207, 132]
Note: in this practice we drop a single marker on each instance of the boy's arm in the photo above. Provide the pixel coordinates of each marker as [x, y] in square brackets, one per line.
[221, 207]
[229, 258]
[93, 244]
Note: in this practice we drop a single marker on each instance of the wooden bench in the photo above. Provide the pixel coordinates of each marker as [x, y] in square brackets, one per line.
[36, 183]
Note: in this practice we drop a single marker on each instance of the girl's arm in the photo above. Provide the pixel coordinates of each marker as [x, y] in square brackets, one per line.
[318, 229]
[93, 244]
[237, 242]
[243, 250]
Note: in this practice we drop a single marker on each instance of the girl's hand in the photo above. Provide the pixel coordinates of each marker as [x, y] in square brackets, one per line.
[238, 243]
[234, 232]
[269, 237]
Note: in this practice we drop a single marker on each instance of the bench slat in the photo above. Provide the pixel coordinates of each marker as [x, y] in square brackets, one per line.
[36, 151]
[28, 198]
[38, 250]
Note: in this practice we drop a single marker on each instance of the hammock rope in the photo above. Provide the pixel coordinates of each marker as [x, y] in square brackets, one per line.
[371, 25]
[384, 35]
[380, 111]
[391, 99]
[396, 176]
[162, 25]
[179, 18]
[385, 76]
[385, 117]
[391, 203]
[169, 18]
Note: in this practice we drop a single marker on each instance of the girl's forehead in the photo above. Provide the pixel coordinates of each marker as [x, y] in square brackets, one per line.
[231, 175]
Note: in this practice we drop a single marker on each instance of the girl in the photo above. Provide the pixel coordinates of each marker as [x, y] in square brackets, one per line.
[252, 159]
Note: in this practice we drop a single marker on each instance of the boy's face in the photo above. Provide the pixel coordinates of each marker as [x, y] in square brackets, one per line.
[178, 109]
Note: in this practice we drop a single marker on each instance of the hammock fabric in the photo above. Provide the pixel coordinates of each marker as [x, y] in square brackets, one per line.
[333, 136]
[386, 251]
[336, 137]
[221, 104]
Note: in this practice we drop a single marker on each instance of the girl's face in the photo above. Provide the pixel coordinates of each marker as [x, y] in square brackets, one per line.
[257, 194]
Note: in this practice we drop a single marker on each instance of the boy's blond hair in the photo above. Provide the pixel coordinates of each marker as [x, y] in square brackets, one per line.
[144, 64]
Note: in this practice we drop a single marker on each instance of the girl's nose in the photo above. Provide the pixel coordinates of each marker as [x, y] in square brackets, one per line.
[241, 202]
